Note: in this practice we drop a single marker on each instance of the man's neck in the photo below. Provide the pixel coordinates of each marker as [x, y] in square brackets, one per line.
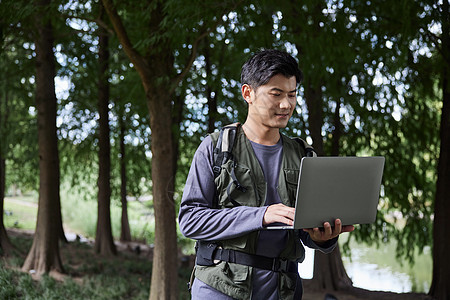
[261, 134]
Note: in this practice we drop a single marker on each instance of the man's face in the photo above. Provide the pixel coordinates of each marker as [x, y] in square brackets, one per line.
[271, 105]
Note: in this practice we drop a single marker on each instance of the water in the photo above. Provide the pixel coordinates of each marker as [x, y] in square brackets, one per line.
[377, 269]
[371, 276]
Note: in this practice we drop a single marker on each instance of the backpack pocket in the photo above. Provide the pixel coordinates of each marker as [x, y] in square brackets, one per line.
[235, 186]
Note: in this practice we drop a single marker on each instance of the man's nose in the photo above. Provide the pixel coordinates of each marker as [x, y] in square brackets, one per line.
[285, 103]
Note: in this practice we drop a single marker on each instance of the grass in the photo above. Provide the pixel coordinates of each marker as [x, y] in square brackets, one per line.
[80, 216]
[126, 276]
[21, 214]
[89, 276]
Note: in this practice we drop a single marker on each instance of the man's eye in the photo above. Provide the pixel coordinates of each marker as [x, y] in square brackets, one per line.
[275, 94]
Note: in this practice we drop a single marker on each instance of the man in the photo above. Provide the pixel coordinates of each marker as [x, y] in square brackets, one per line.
[228, 211]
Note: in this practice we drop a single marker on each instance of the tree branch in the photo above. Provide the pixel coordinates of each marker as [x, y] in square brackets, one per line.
[194, 51]
[191, 59]
[135, 57]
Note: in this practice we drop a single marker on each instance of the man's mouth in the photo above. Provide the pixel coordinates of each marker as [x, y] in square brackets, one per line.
[282, 115]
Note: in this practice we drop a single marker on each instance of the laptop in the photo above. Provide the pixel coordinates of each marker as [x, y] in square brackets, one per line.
[329, 188]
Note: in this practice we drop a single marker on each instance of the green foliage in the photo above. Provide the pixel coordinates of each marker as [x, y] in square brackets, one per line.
[358, 55]
[375, 65]
[89, 276]
[18, 132]
[113, 284]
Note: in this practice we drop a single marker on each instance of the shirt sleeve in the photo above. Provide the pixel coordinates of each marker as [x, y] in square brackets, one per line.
[197, 219]
[326, 247]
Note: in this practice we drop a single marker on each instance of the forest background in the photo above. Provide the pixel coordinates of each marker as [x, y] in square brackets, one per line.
[147, 80]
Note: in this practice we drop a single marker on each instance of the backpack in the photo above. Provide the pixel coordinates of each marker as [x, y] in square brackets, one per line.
[223, 153]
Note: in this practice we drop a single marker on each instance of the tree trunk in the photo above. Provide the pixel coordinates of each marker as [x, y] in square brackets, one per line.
[164, 275]
[337, 131]
[440, 285]
[329, 270]
[157, 73]
[5, 244]
[212, 99]
[44, 255]
[104, 242]
[164, 271]
[314, 102]
[164, 282]
[125, 234]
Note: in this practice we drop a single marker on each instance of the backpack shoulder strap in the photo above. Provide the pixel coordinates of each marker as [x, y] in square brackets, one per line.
[224, 146]
[223, 153]
[309, 150]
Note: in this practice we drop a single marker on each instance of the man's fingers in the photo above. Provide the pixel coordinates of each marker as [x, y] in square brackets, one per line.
[337, 227]
[348, 228]
[279, 213]
[327, 231]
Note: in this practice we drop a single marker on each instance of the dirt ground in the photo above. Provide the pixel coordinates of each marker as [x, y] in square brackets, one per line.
[360, 295]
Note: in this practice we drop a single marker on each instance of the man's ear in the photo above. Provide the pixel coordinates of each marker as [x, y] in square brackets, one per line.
[246, 91]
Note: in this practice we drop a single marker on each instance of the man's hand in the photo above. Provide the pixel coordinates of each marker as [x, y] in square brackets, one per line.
[279, 213]
[320, 236]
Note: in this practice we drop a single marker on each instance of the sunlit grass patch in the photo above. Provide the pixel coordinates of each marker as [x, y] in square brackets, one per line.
[19, 213]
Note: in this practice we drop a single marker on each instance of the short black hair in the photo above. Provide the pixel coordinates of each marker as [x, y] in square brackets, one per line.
[265, 64]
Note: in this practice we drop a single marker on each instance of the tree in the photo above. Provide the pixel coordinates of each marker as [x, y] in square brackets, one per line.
[5, 244]
[157, 64]
[104, 242]
[440, 286]
[44, 255]
[156, 69]
[18, 142]
[343, 49]
[311, 32]
[125, 234]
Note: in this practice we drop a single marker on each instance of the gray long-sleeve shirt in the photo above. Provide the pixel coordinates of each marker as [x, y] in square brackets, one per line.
[201, 222]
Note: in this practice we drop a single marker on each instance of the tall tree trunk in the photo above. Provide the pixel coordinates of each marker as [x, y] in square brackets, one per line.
[440, 285]
[212, 99]
[44, 255]
[329, 270]
[6, 246]
[177, 118]
[155, 67]
[159, 64]
[125, 234]
[164, 282]
[165, 253]
[337, 131]
[104, 242]
[314, 102]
